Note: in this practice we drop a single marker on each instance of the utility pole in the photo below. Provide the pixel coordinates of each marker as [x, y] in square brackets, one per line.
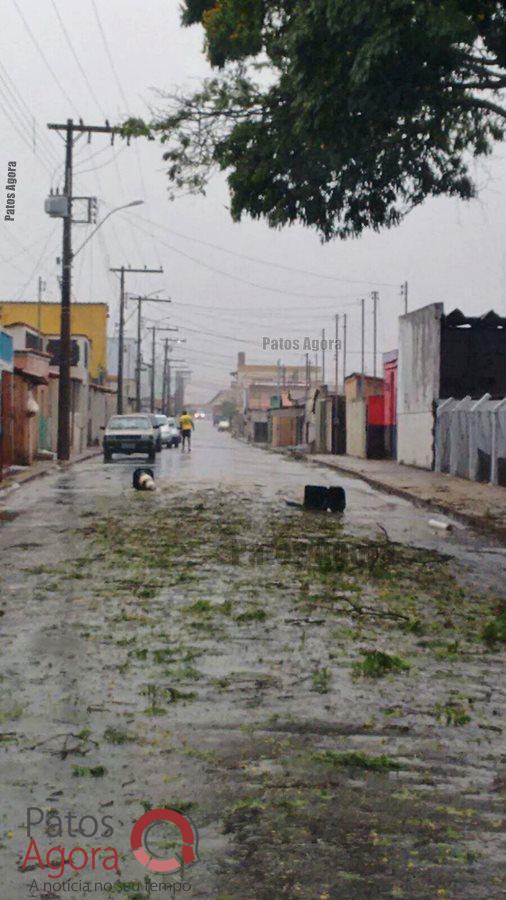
[308, 376]
[123, 270]
[337, 355]
[168, 408]
[64, 388]
[362, 303]
[404, 295]
[40, 288]
[154, 329]
[138, 365]
[180, 384]
[375, 297]
[323, 356]
[164, 377]
[345, 322]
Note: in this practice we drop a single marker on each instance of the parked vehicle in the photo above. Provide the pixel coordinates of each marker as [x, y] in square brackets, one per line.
[223, 425]
[169, 432]
[129, 434]
[163, 430]
[156, 424]
[175, 434]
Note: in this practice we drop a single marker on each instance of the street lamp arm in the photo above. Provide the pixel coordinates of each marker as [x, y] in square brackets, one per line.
[110, 213]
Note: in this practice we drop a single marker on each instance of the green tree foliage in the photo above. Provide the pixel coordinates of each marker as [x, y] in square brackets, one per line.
[340, 114]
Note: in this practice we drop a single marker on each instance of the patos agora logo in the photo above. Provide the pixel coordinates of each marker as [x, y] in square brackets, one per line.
[189, 840]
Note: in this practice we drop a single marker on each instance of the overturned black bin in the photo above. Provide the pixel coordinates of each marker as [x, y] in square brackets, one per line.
[318, 497]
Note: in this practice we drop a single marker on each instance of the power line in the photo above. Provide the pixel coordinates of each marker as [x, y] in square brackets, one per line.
[77, 60]
[23, 109]
[264, 262]
[238, 278]
[20, 127]
[23, 137]
[38, 264]
[103, 165]
[43, 56]
[99, 105]
[109, 54]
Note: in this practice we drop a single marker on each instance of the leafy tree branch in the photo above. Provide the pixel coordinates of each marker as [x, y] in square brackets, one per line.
[340, 114]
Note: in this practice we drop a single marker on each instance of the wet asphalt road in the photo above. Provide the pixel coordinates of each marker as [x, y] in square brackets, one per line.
[77, 665]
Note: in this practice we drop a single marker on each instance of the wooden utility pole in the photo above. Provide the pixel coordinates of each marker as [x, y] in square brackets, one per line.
[154, 329]
[323, 356]
[170, 360]
[138, 365]
[64, 388]
[123, 270]
[404, 295]
[345, 323]
[337, 355]
[41, 287]
[375, 297]
[362, 303]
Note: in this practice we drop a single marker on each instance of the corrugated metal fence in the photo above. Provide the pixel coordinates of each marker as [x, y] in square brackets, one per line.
[470, 439]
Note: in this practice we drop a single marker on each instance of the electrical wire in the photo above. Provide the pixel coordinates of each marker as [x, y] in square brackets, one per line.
[238, 278]
[109, 54]
[103, 165]
[43, 56]
[38, 264]
[266, 262]
[77, 60]
[22, 136]
[24, 110]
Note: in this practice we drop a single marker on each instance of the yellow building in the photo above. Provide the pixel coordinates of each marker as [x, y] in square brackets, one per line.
[89, 319]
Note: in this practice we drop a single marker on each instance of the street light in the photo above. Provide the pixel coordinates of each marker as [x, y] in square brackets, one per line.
[112, 211]
[64, 386]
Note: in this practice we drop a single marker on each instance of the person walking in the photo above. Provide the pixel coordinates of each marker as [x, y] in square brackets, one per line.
[186, 427]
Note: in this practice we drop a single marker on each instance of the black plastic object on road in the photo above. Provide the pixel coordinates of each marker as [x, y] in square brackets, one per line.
[323, 498]
[140, 478]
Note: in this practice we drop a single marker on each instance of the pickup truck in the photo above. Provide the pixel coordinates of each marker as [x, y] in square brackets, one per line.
[134, 433]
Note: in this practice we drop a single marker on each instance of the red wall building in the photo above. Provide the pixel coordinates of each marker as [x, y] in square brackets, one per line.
[390, 366]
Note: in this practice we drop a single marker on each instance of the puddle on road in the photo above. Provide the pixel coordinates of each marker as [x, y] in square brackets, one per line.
[287, 680]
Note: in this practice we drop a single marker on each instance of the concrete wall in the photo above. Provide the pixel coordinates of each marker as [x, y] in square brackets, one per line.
[25, 422]
[101, 406]
[356, 428]
[284, 427]
[418, 384]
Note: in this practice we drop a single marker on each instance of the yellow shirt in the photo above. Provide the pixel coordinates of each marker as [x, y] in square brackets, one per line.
[185, 423]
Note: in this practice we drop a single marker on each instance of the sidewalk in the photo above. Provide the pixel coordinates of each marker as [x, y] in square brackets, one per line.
[40, 468]
[480, 505]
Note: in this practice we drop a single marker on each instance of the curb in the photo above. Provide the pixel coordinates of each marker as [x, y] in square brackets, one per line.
[478, 522]
[481, 524]
[51, 468]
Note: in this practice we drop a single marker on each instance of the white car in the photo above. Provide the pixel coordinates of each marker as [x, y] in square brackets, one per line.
[175, 434]
[169, 432]
[223, 425]
[130, 434]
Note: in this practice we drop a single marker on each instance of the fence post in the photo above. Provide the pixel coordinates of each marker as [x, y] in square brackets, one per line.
[494, 474]
[454, 447]
[441, 409]
[473, 440]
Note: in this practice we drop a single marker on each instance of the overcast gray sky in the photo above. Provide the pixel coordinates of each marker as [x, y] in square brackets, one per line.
[448, 251]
